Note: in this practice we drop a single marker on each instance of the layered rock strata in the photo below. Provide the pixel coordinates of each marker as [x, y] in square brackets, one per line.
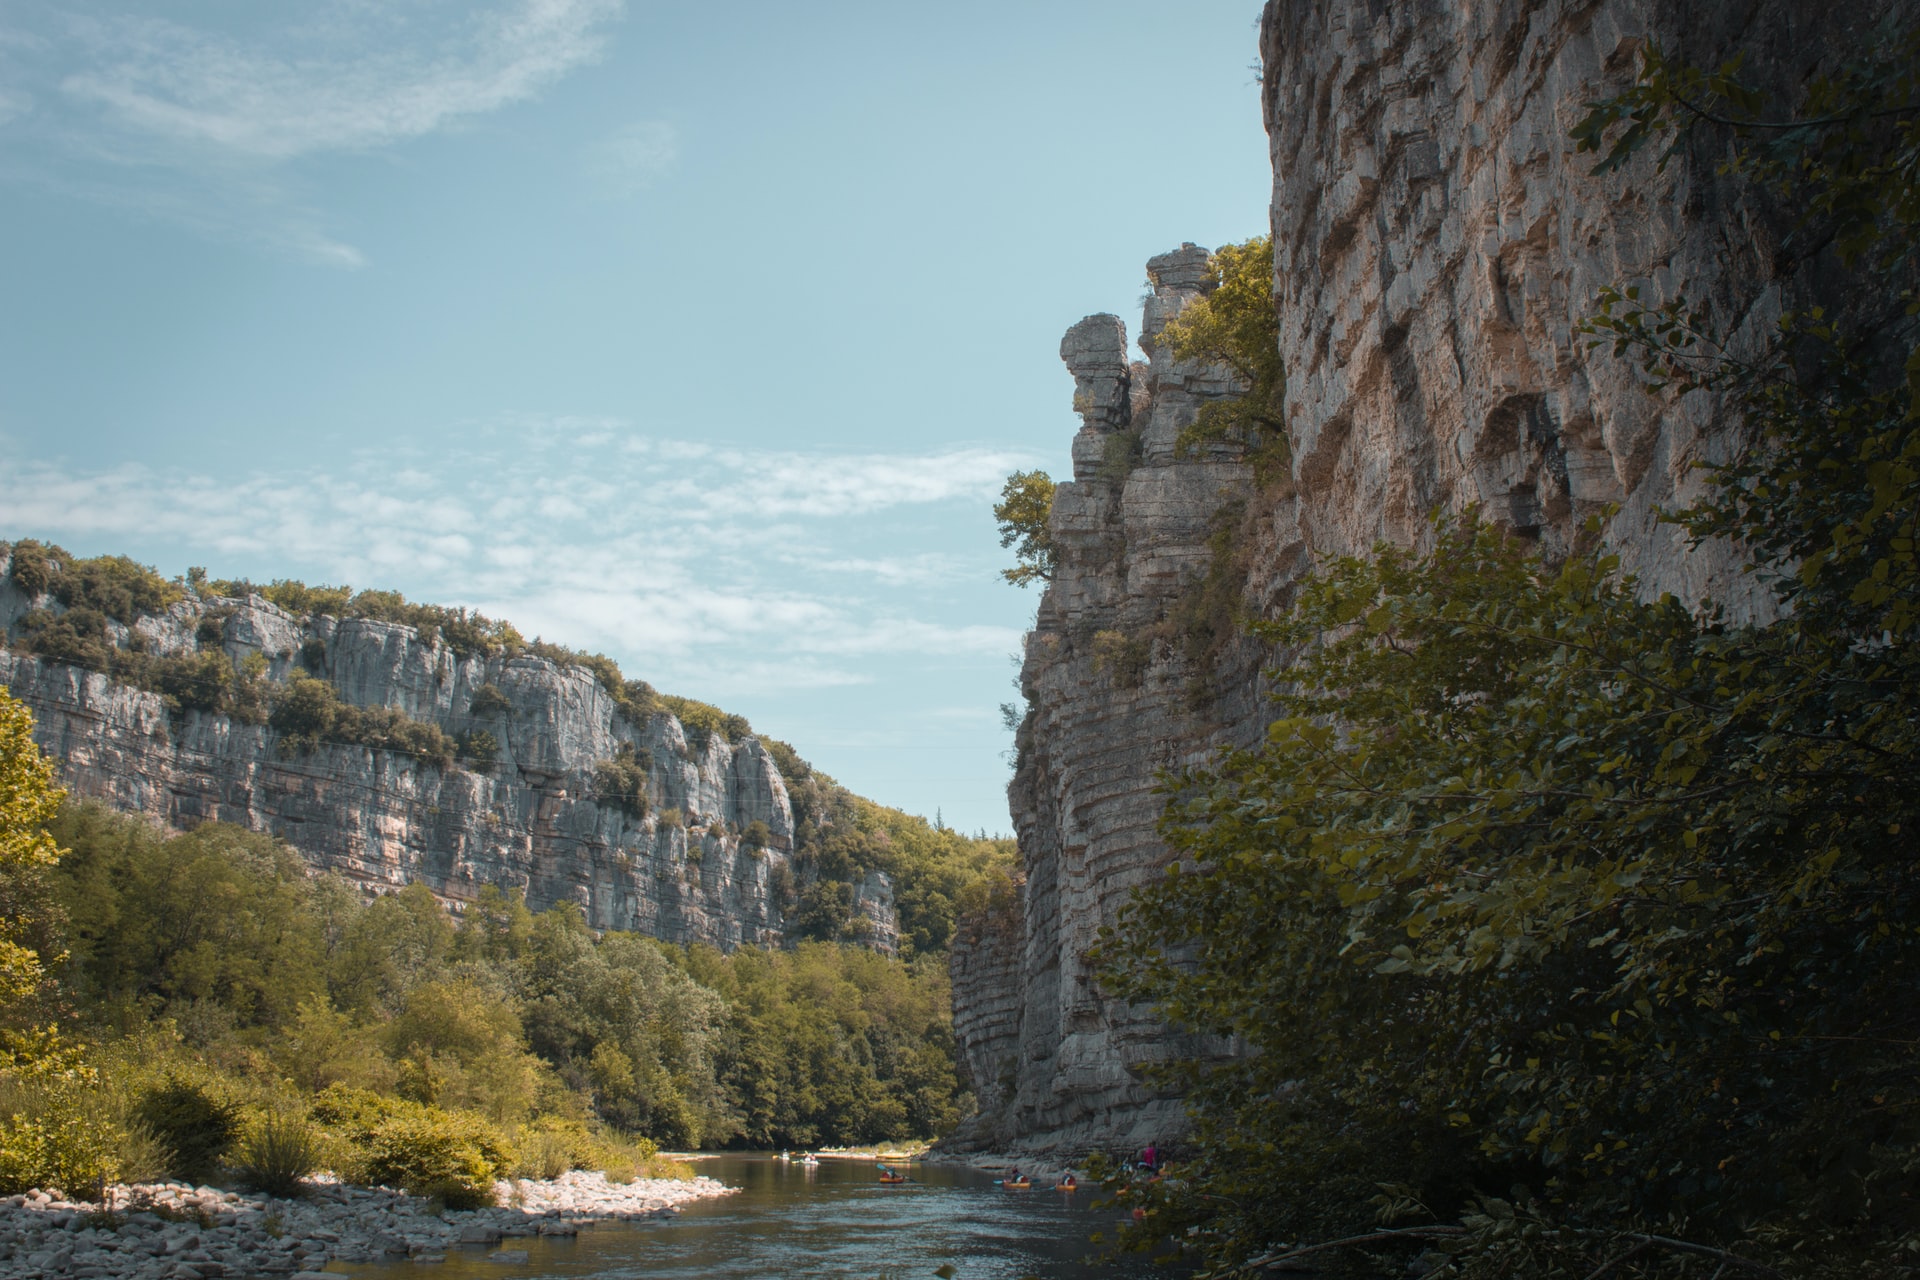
[1437, 242]
[531, 819]
[1115, 697]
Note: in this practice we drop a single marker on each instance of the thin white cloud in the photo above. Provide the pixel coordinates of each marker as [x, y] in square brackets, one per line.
[634, 157]
[207, 128]
[691, 560]
[337, 85]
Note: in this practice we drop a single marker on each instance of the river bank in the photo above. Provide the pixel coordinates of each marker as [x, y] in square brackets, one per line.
[170, 1231]
[1043, 1169]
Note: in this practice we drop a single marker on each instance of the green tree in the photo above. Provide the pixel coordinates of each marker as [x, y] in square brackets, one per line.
[1025, 506]
[1236, 323]
[29, 800]
[216, 916]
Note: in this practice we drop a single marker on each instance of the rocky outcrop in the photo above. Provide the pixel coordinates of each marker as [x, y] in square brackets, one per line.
[1115, 696]
[531, 819]
[1437, 243]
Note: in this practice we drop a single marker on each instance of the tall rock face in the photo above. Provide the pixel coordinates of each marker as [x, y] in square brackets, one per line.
[1437, 242]
[1116, 694]
[534, 818]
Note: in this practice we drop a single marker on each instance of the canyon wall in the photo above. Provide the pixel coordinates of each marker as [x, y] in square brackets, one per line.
[1437, 243]
[530, 819]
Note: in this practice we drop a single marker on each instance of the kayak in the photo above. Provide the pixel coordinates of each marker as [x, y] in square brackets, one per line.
[1067, 1186]
[1021, 1184]
[891, 1179]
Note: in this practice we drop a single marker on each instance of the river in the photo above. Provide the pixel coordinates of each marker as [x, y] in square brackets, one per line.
[835, 1220]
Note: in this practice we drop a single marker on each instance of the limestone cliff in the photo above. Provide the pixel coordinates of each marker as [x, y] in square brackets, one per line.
[1117, 691]
[1437, 242]
[532, 818]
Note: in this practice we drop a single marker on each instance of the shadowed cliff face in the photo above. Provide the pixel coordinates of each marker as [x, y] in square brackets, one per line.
[1436, 243]
[528, 820]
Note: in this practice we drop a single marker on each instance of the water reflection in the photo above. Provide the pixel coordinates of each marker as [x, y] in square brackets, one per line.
[834, 1220]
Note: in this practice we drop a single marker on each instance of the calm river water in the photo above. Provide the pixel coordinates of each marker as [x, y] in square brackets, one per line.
[836, 1220]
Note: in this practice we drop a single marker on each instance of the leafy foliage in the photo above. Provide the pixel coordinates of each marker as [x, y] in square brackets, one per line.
[703, 721]
[833, 1045]
[1235, 323]
[194, 1123]
[309, 712]
[111, 586]
[277, 1152]
[29, 799]
[1025, 507]
[1572, 927]
[258, 979]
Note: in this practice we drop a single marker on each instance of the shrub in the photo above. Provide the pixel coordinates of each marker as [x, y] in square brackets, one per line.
[278, 1151]
[451, 1156]
[66, 1133]
[623, 779]
[310, 712]
[32, 568]
[703, 721]
[792, 768]
[120, 588]
[488, 702]
[543, 1154]
[757, 834]
[479, 747]
[198, 682]
[194, 1125]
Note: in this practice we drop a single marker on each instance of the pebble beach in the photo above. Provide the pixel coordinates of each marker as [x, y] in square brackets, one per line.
[171, 1231]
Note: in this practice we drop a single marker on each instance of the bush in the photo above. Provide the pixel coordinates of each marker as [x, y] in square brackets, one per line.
[488, 702]
[279, 1150]
[32, 568]
[309, 712]
[623, 780]
[703, 721]
[195, 1126]
[479, 747]
[451, 1156]
[68, 1134]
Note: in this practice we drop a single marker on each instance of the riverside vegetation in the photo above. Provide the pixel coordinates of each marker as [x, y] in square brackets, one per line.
[189, 1004]
[1565, 932]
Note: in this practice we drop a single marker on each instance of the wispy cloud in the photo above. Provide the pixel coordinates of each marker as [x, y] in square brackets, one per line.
[735, 569]
[206, 127]
[345, 78]
[634, 157]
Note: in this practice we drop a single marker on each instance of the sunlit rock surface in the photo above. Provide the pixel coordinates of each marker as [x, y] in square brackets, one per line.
[528, 821]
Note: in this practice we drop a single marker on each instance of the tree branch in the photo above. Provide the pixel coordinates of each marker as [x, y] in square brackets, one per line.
[1391, 1233]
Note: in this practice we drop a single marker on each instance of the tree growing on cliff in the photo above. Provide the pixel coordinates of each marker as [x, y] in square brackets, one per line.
[1236, 324]
[1584, 943]
[1025, 507]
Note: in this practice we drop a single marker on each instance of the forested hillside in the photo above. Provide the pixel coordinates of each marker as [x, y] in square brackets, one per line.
[216, 982]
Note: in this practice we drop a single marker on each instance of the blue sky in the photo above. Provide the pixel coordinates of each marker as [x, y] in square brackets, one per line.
[701, 335]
